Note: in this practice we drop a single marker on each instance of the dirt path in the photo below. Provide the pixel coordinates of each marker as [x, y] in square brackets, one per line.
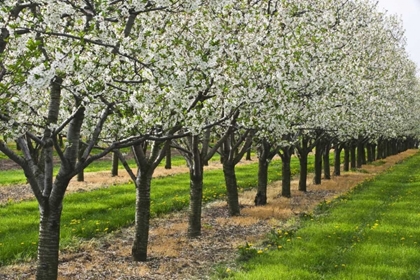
[173, 256]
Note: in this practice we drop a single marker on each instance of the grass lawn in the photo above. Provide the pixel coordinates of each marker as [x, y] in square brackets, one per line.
[370, 233]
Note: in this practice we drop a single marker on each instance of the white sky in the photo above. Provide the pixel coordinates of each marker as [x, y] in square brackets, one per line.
[409, 10]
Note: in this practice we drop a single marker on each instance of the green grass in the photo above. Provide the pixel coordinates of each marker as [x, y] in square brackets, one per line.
[370, 233]
[91, 214]
[16, 176]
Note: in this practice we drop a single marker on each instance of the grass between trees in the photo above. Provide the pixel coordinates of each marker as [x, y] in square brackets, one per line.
[369, 233]
[94, 213]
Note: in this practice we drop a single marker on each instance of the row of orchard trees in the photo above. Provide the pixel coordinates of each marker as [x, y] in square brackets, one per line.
[202, 76]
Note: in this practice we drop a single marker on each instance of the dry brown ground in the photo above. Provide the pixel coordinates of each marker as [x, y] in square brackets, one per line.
[174, 256]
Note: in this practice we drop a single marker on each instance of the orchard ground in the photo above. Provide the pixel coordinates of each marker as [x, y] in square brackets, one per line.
[172, 254]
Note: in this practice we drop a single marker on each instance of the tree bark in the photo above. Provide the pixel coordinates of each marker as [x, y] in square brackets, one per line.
[261, 197]
[196, 189]
[48, 246]
[346, 166]
[196, 201]
[360, 152]
[303, 151]
[266, 152]
[352, 156]
[326, 161]
[337, 159]
[318, 163]
[115, 161]
[142, 216]
[248, 155]
[232, 188]
[168, 159]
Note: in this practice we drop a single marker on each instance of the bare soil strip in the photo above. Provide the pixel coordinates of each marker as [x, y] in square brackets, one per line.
[174, 256]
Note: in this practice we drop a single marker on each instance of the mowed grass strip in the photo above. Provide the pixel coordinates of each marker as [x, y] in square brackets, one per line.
[16, 176]
[94, 213]
[370, 233]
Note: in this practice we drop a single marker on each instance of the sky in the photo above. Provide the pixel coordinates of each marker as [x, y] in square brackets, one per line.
[409, 10]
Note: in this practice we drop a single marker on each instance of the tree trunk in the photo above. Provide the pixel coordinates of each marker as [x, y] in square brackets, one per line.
[196, 189]
[168, 159]
[360, 152]
[196, 201]
[326, 161]
[352, 156]
[286, 172]
[303, 152]
[346, 166]
[114, 171]
[337, 159]
[142, 216]
[303, 162]
[231, 188]
[81, 174]
[318, 163]
[248, 155]
[261, 197]
[48, 246]
[369, 148]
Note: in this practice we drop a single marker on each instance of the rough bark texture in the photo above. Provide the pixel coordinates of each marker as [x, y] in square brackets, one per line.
[146, 166]
[303, 151]
[303, 162]
[326, 161]
[266, 152]
[232, 188]
[248, 155]
[196, 189]
[261, 197]
[115, 161]
[337, 159]
[168, 159]
[49, 239]
[346, 166]
[142, 217]
[196, 201]
[318, 163]
[352, 156]
[360, 154]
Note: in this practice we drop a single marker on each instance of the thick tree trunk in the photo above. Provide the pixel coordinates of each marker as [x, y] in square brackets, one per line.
[115, 161]
[303, 162]
[49, 239]
[369, 148]
[346, 166]
[248, 155]
[196, 201]
[352, 156]
[265, 155]
[303, 151]
[337, 159]
[196, 189]
[142, 216]
[231, 188]
[286, 172]
[261, 197]
[326, 161]
[318, 163]
[168, 159]
[81, 174]
[360, 154]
